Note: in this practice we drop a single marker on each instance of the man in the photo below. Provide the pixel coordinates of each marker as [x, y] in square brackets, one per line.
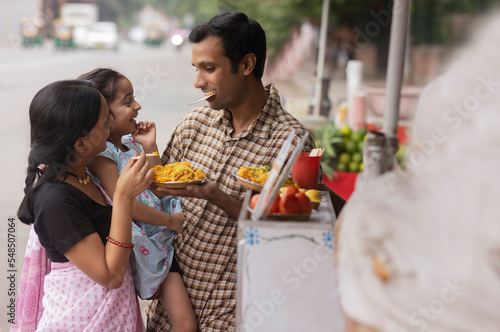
[243, 125]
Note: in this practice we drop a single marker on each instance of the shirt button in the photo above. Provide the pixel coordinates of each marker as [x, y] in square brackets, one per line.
[227, 144]
[199, 208]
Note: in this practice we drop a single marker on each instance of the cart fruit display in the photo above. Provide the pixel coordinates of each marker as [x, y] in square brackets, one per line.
[343, 157]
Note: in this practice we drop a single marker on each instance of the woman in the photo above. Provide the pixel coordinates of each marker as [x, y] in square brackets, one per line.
[90, 284]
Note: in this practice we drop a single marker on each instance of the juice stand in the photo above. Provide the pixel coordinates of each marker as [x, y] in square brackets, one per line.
[286, 271]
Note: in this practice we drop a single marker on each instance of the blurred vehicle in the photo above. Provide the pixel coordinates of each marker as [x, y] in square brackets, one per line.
[30, 32]
[155, 35]
[63, 35]
[137, 34]
[79, 16]
[102, 35]
[178, 37]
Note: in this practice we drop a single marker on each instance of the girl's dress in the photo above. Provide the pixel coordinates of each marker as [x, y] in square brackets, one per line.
[153, 252]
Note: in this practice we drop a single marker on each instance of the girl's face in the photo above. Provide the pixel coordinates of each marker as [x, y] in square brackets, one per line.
[124, 109]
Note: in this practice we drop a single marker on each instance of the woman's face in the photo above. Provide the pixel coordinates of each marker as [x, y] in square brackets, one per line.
[124, 109]
[98, 136]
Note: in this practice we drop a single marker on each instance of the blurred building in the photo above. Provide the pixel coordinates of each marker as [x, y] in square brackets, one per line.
[49, 10]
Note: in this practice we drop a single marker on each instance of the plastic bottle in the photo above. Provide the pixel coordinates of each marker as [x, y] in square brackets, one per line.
[356, 95]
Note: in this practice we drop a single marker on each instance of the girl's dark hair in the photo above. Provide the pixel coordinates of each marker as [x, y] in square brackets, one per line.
[105, 80]
[60, 113]
[239, 35]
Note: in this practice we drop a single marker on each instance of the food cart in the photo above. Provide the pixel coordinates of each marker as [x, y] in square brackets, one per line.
[285, 262]
[286, 272]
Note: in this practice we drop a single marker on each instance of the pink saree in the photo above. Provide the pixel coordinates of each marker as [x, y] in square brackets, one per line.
[60, 297]
[29, 307]
[74, 302]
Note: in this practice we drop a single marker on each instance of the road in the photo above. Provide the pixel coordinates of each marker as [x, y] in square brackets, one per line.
[163, 82]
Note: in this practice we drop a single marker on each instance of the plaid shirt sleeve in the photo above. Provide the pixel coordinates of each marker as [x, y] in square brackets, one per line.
[205, 247]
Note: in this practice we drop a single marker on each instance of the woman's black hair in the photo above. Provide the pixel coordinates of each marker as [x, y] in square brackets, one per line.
[60, 113]
[239, 35]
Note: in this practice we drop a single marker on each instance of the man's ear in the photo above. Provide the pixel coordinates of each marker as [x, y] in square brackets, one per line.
[248, 63]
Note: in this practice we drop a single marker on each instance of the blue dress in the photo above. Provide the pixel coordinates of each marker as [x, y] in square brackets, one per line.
[153, 253]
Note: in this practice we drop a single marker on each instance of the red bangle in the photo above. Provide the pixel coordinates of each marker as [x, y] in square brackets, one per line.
[120, 244]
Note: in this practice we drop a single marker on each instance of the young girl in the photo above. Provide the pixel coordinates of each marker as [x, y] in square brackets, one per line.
[156, 272]
[90, 286]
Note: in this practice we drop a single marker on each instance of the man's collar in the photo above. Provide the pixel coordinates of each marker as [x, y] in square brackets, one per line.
[260, 126]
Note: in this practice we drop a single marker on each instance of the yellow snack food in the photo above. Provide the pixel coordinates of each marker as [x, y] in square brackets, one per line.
[181, 171]
[255, 174]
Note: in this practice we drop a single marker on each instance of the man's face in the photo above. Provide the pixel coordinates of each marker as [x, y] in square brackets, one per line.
[214, 74]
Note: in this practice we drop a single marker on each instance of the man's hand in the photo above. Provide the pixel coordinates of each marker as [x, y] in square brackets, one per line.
[209, 191]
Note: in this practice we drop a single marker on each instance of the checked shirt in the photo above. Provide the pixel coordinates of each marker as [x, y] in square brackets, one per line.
[205, 247]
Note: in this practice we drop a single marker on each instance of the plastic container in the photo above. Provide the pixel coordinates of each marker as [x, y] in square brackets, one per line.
[356, 95]
[305, 171]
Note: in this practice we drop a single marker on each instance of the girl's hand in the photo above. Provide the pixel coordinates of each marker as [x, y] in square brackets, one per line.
[135, 177]
[145, 134]
[177, 221]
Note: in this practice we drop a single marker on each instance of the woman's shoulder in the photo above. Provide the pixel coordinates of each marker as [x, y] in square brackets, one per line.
[57, 191]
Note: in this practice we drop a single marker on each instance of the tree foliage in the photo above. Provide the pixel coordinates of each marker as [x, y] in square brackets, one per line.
[280, 17]
[277, 17]
[120, 11]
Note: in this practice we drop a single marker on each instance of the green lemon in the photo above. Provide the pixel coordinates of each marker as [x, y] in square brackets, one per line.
[344, 158]
[346, 131]
[357, 136]
[351, 147]
[361, 167]
[341, 167]
[353, 167]
[357, 157]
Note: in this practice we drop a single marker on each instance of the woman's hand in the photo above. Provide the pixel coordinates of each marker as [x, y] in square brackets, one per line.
[145, 134]
[135, 177]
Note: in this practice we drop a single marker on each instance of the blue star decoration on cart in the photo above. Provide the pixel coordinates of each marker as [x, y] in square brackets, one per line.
[252, 236]
[328, 239]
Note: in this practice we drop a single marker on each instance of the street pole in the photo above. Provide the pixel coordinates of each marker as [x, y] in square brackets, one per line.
[395, 68]
[320, 68]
